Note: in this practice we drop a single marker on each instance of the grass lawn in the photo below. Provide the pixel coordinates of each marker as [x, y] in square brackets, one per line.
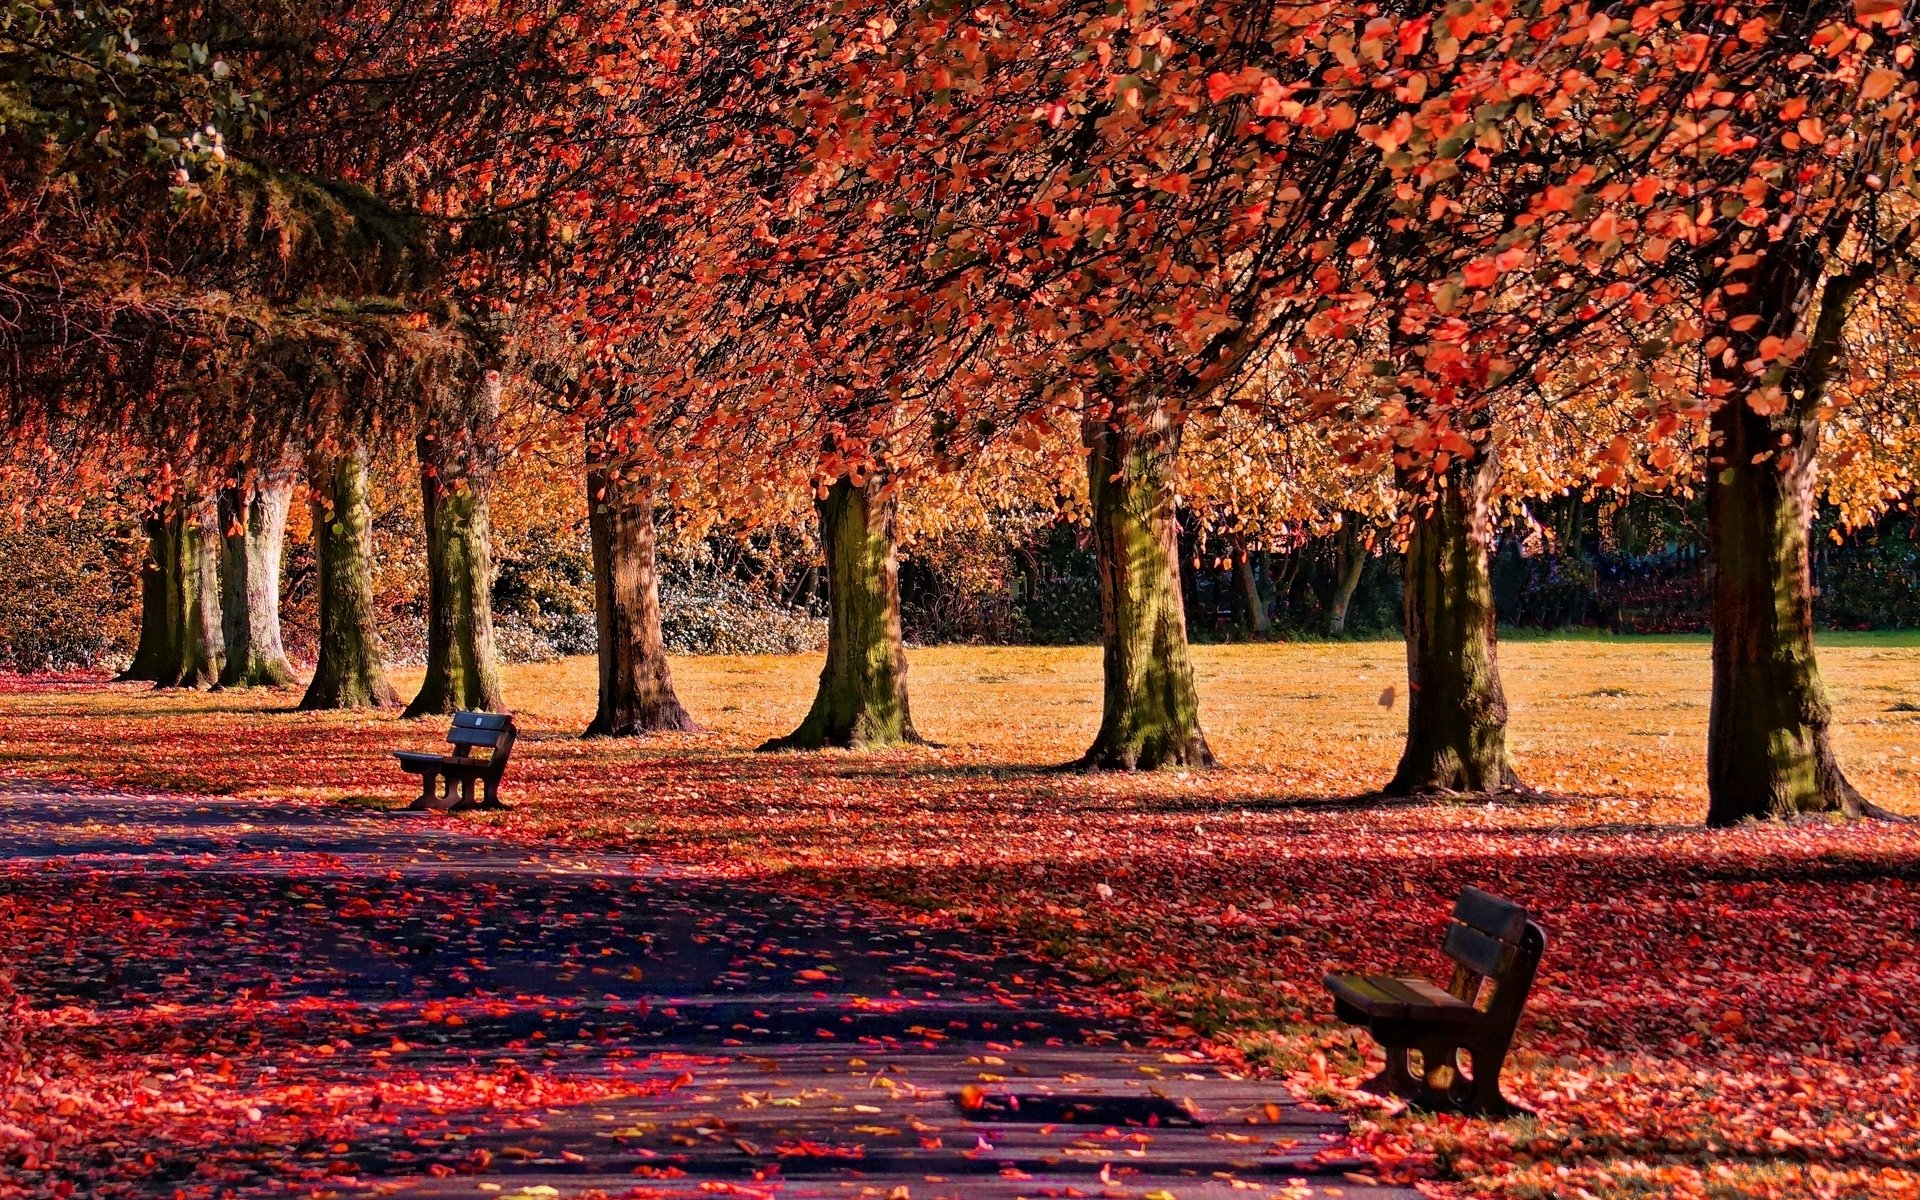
[1720, 1014]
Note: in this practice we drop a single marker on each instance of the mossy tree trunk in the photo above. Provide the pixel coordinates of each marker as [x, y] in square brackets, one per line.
[862, 698]
[253, 523]
[1456, 708]
[636, 684]
[456, 454]
[1150, 710]
[350, 672]
[197, 570]
[1769, 749]
[157, 656]
[463, 671]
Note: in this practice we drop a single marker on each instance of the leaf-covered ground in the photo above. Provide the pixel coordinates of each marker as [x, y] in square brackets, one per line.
[250, 998]
[1720, 1014]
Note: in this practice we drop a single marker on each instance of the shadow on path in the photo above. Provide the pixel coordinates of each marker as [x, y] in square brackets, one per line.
[387, 1003]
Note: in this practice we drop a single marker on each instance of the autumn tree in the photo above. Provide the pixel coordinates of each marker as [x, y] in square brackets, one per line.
[635, 681]
[253, 523]
[1732, 179]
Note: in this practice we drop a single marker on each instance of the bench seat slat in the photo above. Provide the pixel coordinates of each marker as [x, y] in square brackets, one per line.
[445, 764]
[1393, 998]
[1489, 914]
[1365, 993]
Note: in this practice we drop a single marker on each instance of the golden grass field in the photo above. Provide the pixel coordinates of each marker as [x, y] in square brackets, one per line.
[1721, 1013]
[1623, 721]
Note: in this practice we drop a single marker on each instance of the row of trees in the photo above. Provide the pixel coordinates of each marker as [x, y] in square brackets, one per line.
[1277, 261]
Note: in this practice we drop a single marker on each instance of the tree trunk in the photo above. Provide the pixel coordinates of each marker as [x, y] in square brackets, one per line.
[157, 656]
[862, 700]
[463, 672]
[197, 572]
[1456, 709]
[1257, 619]
[253, 526]
[1150, 714]
[350, 673]
[1769, 750]
[1353, 565]
[636, 685]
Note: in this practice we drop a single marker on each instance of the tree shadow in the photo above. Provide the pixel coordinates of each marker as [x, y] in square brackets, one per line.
[719, 1030]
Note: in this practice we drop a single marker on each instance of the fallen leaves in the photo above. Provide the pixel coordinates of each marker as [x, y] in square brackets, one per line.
[1720, 1013]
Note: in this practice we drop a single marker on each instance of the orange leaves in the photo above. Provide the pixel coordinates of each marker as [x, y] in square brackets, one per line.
[1767, 401]
[1392, 136]
[1880, 83]
[1693, 52]
[1270, 100]
[1886, 14]
[1481, 273]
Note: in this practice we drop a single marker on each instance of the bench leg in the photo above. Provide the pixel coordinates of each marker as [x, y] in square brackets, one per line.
[491, 791]
[466, 795]
[425, 802]
[1482, 1097]
[1397, 1079]
[1444, 1084]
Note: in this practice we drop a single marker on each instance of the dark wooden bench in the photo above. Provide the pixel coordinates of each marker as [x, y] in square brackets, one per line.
[1461, 1032]
[471, 731]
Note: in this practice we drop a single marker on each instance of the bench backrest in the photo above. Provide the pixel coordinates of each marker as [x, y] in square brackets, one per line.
[1492, 941]
[482, 731]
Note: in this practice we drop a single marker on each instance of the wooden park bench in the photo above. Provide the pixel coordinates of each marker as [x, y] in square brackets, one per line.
[471, 731]
[1495, 951]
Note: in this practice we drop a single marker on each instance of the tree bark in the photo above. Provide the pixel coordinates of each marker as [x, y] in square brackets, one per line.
[157, 656]
[350, 673]
[636, 684]
[1150, 712]
[862, 699]
[197, 571]
[1353, 565]
[1769, 749]
[1257, 620]
[1456, 708]
[253, 525]
[463, 672]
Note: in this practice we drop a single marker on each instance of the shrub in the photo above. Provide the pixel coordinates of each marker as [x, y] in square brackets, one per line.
[70, 580]
[720, 615]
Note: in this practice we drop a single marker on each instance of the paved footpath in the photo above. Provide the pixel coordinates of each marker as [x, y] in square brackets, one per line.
[477, 1018]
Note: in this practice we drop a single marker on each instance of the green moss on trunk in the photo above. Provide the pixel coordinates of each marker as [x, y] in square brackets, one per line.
[636, 684]
[1767, 747]
[862, 699]
[350, 672]
[463, 672]
[198, 543]
[1769, 751]
[1456, 708]
[1150, 711]
[253, 528]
